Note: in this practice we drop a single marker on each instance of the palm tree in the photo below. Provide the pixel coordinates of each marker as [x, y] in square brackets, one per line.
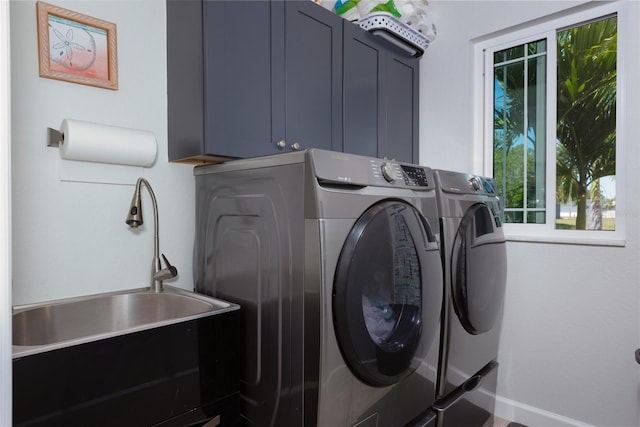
[586, 121]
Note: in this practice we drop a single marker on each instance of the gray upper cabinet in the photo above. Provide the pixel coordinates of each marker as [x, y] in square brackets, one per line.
[380, 98]
[313, 50]
[254, 78]
[250, 78]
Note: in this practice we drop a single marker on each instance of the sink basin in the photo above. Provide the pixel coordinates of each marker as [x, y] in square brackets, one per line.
[61, 323]
[127, 358]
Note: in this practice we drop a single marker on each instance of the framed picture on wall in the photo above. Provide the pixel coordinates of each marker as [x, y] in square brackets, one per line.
[76, 48]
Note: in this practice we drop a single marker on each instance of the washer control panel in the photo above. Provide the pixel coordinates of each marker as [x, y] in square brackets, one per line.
[463, 183]
[399, 174]
[350, 169]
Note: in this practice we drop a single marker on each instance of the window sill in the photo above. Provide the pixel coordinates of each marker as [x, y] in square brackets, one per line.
[565, 240]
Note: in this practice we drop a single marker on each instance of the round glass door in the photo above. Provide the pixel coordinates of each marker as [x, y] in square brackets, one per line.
[478, 269]
[387, 293]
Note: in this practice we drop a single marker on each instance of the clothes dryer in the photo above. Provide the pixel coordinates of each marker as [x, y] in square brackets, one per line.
[475, 267]
[334, 261]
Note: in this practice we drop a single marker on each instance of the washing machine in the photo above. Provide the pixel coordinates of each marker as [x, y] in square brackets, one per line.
[475, 268]
[334, 260]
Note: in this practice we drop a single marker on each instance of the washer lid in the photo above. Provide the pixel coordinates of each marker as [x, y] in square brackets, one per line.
[478, 269]
[387, 293]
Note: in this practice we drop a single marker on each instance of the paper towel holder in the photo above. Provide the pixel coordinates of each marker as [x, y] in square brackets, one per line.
[54, 138]
[92, 142]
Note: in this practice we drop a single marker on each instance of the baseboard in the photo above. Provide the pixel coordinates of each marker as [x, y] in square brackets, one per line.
[532, 416]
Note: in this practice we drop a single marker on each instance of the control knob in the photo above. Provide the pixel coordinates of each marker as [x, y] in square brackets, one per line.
[475, 183]
[387, 172]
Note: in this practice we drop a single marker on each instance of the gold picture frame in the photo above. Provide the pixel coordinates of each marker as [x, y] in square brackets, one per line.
[76, 48]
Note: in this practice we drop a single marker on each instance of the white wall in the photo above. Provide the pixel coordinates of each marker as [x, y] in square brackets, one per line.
[571, 320]
[5, 224]
[70, 238]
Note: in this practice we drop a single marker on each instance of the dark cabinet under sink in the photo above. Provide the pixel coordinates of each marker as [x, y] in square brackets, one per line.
[181, 374]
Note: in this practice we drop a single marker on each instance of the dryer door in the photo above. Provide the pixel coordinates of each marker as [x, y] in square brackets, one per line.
[387, 293]
[478, 269]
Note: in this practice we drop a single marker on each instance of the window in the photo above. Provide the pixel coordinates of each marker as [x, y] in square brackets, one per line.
[519, 130]
[550, 123]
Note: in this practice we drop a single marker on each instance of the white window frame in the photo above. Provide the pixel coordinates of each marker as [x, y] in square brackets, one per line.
[483, 117]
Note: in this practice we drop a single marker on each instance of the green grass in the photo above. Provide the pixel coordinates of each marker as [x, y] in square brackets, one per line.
[608, 224]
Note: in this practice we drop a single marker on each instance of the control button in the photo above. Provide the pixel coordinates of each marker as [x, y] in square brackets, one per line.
[387, 172]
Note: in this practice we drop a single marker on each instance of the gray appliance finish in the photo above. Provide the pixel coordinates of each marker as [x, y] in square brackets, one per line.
[334, 261]
[475, 267]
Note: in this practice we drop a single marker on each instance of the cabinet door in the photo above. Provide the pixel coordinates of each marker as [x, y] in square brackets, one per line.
[380, 98]
[238, 73]
[363, 104]
[401, 90]
[272, 73]
[185, 120]
[313, 58]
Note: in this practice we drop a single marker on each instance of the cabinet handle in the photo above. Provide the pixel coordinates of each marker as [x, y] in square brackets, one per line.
[295, 146]
[282, 144]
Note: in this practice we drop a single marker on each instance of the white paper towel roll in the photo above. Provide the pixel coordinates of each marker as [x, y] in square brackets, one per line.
[92, 142]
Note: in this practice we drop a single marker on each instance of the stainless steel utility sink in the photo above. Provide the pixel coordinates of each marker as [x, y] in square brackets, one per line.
[62, 323]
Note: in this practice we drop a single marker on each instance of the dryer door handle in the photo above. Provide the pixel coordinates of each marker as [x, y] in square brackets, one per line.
[638, 355]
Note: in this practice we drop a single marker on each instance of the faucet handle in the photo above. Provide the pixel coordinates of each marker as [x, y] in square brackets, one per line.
[166, 273]
[171, 268]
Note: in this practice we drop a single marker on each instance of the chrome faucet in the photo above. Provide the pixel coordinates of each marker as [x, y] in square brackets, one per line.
[134, 219]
